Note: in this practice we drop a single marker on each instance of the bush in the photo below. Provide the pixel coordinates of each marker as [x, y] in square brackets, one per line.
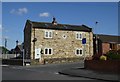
[103, 57]
[113, 55]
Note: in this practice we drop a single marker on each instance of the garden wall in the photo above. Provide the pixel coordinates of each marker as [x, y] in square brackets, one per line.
[101, 65]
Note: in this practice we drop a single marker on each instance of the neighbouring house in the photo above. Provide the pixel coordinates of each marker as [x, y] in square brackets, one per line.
[60, 42]
[18, 50]
[106, 43]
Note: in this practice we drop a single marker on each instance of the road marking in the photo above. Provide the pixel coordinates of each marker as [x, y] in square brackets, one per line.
[4, 65]
[56, 73]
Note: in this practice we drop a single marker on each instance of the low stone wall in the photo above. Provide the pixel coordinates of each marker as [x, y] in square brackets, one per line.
[12, 61]
[56, 60]
[61, 60]
[104, 66]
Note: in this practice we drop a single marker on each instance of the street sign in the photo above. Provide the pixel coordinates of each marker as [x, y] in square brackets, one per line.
[84, 41]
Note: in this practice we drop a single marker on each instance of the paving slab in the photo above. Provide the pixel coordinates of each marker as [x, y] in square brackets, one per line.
[81, 72]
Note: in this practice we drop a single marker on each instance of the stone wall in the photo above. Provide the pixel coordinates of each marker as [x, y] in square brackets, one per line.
[62, 47]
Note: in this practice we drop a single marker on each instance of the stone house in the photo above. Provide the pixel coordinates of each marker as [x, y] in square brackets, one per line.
[56, 42]
[106, 43]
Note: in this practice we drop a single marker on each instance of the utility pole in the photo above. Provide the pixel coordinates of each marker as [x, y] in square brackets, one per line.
[16, 46]
[5, 47]
[5, 44]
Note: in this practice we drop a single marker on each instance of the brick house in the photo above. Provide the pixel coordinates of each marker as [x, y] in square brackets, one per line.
[43, 41]
[106, 43]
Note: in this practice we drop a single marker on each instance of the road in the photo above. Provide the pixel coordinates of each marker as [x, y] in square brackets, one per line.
[40, 72]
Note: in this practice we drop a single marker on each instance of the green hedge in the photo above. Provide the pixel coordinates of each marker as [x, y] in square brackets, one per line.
[113, 55]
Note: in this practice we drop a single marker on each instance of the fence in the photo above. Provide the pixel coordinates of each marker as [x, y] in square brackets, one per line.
[8, 56]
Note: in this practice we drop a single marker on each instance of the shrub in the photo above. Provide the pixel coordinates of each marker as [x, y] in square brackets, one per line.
[113, 55]
[103, 57]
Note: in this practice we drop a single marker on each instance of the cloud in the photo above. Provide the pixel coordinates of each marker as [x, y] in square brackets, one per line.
[19, 11]
[1, 27]
[44, 14]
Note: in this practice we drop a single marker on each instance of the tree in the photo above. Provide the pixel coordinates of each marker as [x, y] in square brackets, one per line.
[4, 50]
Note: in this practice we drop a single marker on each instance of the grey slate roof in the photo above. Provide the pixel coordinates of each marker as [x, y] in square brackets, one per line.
[109, 38]
[46, 25]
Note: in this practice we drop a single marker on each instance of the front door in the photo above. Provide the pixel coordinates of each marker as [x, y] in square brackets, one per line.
[38, 53]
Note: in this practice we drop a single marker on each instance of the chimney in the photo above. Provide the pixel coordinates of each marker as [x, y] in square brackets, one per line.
[54, 22]
[17, 43]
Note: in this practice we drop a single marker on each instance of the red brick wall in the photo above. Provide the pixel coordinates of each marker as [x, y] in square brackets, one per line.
[104, 66]
[105, 48]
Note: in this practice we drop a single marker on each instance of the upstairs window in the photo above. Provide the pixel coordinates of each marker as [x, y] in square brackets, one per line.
[79, 36]
[48, 34]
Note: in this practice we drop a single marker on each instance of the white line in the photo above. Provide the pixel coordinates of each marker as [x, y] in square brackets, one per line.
[4, 65]
[56, 73]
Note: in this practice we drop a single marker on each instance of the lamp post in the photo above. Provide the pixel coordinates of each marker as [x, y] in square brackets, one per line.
[23, 53]
[84, 42]
[96, 39]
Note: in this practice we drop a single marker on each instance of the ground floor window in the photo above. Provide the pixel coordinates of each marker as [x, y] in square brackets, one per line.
[79, 51]
[113, 46]
[48, 51]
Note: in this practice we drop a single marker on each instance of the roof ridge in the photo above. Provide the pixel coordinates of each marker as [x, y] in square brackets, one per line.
[60, 26]
[60, 23]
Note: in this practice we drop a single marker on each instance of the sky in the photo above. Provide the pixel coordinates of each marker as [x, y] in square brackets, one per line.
[15, 14]
[60, 0]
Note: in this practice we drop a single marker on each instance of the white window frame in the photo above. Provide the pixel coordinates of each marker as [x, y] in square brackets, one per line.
[48, 51]
[78, 34]
[49, 32]
[79, 51]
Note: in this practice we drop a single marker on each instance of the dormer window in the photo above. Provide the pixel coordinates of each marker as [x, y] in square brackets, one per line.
[48, 34]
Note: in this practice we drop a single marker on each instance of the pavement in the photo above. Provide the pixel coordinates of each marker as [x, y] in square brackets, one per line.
[91, 74]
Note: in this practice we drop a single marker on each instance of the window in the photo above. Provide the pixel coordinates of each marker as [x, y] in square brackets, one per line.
[48, 34]
[113, 46]
[79, 36]
[48, 51]
[79, 51]
[64, 36]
